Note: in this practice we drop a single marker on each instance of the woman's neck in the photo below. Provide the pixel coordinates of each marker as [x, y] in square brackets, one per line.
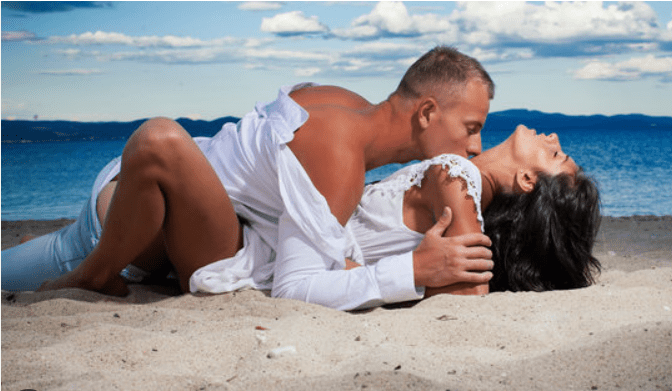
[488, 191]
[498, 172]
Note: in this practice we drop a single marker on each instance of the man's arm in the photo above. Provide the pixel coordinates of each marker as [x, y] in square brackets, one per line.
[304, 272]
[440, 261]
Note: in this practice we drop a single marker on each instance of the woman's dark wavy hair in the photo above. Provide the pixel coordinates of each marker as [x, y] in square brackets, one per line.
[543, 240]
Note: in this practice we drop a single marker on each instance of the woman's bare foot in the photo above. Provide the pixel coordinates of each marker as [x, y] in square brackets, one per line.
[27, 238]
[114, 286]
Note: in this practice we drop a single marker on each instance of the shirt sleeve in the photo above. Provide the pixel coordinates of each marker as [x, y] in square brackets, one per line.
[304, 272]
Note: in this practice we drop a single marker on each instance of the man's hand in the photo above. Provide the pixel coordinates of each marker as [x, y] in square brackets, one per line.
[440, 261]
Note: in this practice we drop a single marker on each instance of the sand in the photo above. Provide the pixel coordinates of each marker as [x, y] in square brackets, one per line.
[614, 335]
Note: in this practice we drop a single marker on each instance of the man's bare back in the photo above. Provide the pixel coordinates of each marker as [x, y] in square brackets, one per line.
[332, 143]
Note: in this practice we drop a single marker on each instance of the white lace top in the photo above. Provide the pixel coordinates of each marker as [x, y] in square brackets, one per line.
[377, 226]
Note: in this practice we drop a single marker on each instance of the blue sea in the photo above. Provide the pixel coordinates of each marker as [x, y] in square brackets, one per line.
[633, 169]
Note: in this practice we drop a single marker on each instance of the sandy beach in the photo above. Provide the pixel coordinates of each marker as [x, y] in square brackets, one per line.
[614, 335]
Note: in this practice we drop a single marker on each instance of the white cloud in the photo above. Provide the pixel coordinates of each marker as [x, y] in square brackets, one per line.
[69, 53]
[407, 62]
[425, 8]
[643, 47]
[256, 42]
[353, 64]
[632, 69]
[306, 72]
[72, 72]
[386, 49]
[501, 54]
[357, 32]
[112, 38]
[542, 29]
[293, 23]
[259, 5]
[388, 16]
[183, 50]
[285, 55]
[392, 19]
[649, 65]
[18, 36]
[172, 56]
[489, 23]
[603, 71]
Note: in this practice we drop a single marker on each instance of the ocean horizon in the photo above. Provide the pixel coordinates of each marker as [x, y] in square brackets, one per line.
[633, 170]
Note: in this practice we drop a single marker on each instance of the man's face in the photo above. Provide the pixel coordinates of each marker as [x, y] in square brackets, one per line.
[457, 128]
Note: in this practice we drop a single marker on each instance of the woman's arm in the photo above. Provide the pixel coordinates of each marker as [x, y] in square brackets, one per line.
[441, 190]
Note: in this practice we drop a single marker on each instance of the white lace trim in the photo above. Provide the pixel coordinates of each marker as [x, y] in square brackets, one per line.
[413, 175]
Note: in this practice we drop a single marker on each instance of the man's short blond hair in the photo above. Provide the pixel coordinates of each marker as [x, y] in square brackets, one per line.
[442, 72]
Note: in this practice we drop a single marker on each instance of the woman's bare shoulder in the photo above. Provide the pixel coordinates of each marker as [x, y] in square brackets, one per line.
[444, 189]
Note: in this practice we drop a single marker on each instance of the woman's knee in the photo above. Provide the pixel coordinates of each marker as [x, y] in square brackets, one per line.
[162, 132]
[157, 141]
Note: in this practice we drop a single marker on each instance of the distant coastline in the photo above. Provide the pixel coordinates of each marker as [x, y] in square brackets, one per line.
[24, 131]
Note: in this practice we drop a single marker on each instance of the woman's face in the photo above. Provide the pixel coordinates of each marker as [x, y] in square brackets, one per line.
[541, 153]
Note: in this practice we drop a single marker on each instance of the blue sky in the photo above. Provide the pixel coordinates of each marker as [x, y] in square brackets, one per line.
[100, 61]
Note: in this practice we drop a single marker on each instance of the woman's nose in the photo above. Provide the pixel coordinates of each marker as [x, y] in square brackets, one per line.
[553, 138]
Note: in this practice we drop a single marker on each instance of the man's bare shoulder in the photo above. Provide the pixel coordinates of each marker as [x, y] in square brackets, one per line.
[330, 149]
[330, 145]
[315, 96]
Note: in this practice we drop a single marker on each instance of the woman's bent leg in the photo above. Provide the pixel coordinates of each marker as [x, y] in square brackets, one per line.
[153, 261]
[166, 188]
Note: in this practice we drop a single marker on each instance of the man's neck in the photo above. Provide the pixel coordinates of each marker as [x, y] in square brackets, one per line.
[391, 134]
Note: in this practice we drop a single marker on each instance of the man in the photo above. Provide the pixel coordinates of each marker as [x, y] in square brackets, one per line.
[293, 172]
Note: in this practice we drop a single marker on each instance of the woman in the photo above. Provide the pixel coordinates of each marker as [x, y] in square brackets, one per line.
[541, 212]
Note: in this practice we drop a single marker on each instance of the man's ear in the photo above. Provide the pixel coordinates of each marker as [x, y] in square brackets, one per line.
[525, 180]
[427, 110]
